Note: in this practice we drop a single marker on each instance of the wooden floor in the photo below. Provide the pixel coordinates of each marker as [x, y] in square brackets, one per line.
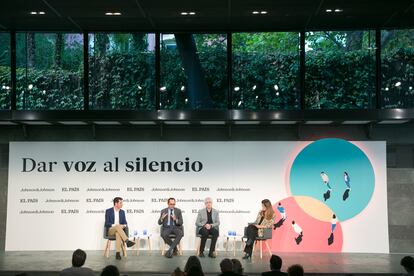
[51, 262]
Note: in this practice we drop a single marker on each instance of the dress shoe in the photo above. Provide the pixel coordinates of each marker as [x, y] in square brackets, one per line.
[129, 243]
[169, 254]
[201, 255]
[211, 255]
[247, 256]
[118, 255]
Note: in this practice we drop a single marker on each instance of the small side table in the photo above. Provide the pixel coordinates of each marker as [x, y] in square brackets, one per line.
[147, 238]
[233, 240]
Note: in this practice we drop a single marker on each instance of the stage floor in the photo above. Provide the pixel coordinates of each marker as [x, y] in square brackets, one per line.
[51, 262]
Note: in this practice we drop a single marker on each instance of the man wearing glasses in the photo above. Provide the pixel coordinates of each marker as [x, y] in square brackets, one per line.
[171, 222]
[208, 224]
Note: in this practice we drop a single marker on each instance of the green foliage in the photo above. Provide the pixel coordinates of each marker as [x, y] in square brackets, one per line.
[122, 81]
[49, 89]
[340, 72]
[398, 67]
[212, 53]
[265, 81]
[5, 91]
[338, 80]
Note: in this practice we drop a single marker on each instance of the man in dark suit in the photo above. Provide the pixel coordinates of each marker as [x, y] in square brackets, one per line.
[275, 266]
[115, 223]
[171, 221]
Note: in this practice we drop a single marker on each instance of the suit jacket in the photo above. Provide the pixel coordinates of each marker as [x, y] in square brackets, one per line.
[202, 218]
[274, 273]
[267, 223]
[77, 271]
[178, 215]
[110, 217]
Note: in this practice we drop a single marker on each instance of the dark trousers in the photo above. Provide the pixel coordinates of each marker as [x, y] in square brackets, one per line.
[251, 234]
[204, 235]
[167, 231]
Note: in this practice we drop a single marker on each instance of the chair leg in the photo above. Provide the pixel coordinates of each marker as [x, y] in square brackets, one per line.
[163, 248]
[180, 249]
[227, 245]
[261, 249]
[198, 243]
[149, 245]
[137, 241]
[268, 248]
[107, 246]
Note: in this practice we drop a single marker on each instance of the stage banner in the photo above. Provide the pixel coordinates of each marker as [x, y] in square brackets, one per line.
[328, 195]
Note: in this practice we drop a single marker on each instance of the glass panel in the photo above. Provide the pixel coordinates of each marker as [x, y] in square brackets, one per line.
[266, 71]
[49, 71]
[122, 71]
[340, 70]
[193, 71]
[5, 73]
[397, 68]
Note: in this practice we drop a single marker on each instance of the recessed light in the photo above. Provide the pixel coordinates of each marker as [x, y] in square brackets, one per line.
[397, 84]
[113, 13]
[191, 13]
[163, 88]
[338, 10]
[263, 12]
[255, 12]
[184, 13]
[37, 13]
[328, 10]
[237, 88]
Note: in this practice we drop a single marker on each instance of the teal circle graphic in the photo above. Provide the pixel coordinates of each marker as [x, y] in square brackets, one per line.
[334, 157]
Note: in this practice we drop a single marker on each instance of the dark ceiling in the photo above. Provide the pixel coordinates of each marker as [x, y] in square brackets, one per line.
[211, 15]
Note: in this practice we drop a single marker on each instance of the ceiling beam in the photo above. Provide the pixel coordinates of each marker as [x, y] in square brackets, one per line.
[145, 15]
[402, 11]
[313, 14]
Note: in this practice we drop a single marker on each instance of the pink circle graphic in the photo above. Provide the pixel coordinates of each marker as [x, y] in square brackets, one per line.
[315, 223]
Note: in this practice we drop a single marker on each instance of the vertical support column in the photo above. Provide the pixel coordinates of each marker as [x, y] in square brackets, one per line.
[157, 71]
[302, 70]
[378, 98]
[85, 71]
[229, 71]
[13, 96]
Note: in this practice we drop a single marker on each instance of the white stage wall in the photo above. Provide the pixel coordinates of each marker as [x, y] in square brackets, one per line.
[51, 208]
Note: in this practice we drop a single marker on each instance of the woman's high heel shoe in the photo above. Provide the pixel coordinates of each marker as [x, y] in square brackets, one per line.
[247, 256]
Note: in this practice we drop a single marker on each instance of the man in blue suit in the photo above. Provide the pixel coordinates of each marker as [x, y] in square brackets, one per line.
[115, 222]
